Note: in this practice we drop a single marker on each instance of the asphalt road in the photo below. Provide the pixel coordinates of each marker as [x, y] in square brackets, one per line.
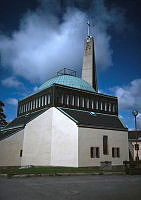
[71, 187]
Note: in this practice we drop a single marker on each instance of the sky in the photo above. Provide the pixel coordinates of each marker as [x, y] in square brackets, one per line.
[40, 37]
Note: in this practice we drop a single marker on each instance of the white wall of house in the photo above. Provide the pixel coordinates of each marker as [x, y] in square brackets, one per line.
[10, 150]
[135, 152]
[64, 144]
[89, 137]
[37, 140]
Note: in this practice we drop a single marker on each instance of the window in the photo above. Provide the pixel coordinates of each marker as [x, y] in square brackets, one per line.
[87, 103]
[24, 108]
[42, 98]
[109, 107]
[94, 152]
[96, 104]
[71, 100]
[105, 106]
[45, 99]
[67, 99]
[105, 145]
[36, 104]
[101, 106]
[136, 147]
[39, 101]
[28, 106]
[92, 104]
[49, 99]
[77, 101]
[59, 99]
[113, 107]
[115, 152]
[21, 153]
[83, 103]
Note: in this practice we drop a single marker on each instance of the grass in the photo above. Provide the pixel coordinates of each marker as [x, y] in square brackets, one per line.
[50, 170]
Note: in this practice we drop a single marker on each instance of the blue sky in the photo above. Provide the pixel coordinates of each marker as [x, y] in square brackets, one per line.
[38, 38]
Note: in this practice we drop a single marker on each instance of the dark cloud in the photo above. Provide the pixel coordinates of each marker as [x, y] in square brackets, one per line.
[51, 38]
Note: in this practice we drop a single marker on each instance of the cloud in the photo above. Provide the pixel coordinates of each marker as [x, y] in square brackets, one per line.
[129, 96]
[11, 82]
[139, 121]
[51, 38]
[12, 101]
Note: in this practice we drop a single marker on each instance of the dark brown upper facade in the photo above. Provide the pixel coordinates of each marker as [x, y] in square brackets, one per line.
[67, 97]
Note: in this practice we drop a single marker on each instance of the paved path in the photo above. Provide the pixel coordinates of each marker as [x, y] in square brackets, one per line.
[71, 188]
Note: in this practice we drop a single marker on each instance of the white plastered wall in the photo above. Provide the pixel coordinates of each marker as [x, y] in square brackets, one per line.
[37, 140]
[89, 137]
[50, 139]
[10, 150]
[64, 145]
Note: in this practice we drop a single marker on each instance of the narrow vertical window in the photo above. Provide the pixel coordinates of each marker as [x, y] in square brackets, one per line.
[105, 145]
[118, 152]
[49, 99]
[62, 99]
[39, 102]
[92, 104]
[36, 103]
[28, 105]
[101, 106]
[109, 107]
[83, 102]
[87, 103]
[67, 99]
[31, 104]
[42, 100]
[113, 107]
[97, 105]
[78, 101]
[21, 153]
[45, 99]
[92, 152]
[105, 106]
[73, 100]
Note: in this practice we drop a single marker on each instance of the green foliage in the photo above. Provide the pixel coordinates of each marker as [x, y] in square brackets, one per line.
[2, 116]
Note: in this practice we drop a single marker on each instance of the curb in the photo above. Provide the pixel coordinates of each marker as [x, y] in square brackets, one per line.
[60, 174]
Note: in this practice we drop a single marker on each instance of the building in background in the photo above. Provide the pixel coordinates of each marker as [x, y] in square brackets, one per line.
[134, 144]
[66, 123]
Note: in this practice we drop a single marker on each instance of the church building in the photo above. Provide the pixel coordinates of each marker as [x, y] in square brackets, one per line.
[67, 122]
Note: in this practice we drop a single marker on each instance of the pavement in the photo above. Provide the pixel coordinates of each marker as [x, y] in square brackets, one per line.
[86, 187]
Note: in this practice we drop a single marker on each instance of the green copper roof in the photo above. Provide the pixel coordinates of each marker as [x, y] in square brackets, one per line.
[68, 80]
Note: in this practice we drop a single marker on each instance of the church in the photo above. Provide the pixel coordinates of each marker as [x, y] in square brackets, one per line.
[67, 122]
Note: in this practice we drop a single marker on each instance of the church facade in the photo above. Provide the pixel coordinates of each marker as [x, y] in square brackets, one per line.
[66, 123]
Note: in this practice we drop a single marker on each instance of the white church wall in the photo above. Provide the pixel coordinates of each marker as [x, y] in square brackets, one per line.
[10, 150]
[89, 137]
[37, 140]
[64, 145]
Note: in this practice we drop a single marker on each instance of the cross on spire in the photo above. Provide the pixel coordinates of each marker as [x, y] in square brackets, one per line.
[88, 23]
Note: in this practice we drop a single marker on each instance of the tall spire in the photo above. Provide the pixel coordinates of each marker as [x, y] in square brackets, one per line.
[88, 23]
[89, 66]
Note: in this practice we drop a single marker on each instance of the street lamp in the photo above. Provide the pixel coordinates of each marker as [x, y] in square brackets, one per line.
[135, 113]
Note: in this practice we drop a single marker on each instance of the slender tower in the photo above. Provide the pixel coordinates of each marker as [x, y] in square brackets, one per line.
[89, 66]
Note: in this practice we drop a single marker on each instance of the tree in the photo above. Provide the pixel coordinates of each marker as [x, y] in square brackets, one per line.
[2, 116]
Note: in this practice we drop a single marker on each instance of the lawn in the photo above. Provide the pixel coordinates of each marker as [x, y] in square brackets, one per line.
[49, 170]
